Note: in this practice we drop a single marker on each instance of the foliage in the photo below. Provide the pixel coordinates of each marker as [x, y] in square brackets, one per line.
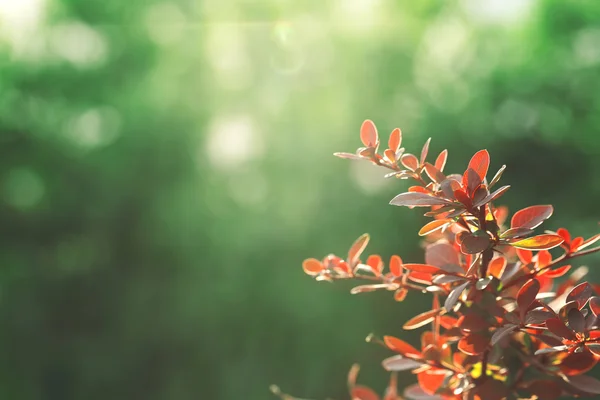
[508, 327]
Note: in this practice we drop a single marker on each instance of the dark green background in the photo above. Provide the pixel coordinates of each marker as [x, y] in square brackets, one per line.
[166, 167]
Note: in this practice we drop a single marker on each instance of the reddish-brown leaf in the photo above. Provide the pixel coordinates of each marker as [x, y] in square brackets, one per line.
[585, 383]
[440, 254]
[473, 244]
[400, 346]
[410, 161]
[480, 163]
[357, 248]
[531, 217]
[348, 156]
[491, 389]
[417, 200]
[363, 393]
[454, 295]
[425, 150]
[434, 174]
[368, 134]
[577, 363]
[440, 161]
[473, 323]
[471, 180]
[497, 177]
[473, 344]
[396, 265]
[576, 320]
[421, 319]
[539, 242]
[395, 140]
[502, 332]
[527, 294]
[545, 389]
[376, 263]
[431, 380]
[434, 226]
[595, 305]
[514, 233]
[557, 327]
[581, 293]
[492, 196]
[430, 269]
[312, 266]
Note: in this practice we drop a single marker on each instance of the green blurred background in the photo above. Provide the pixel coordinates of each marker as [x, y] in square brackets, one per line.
[166, 166]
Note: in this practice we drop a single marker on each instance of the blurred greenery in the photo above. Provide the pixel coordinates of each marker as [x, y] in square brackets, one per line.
[166, 167]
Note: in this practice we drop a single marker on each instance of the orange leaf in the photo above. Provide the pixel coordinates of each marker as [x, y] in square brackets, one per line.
[497, 266]
[430, 381]
[434, 174]
[368, 134]
[540, 242]
[434, 226]
[363, 393]
[395, 140]
[410, 161]
[440, 161]
[376, 263]
[401, 347]
[558, 272]
[430, 269]
[396, 266]
[473, 344]
[480, 163]
[531, 217]
[421, 319]
[525, 255]
[390, 155]
[312, 266]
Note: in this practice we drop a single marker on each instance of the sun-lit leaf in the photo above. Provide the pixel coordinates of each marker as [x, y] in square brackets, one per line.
[527, 294]
[531, 217]
[434, 174]
[585, 383]
[577, 363]
[473, 344]
[581, 293]
[400, 363]
[395, 140]
[558, 272]
[430, 269]
[400, 346]
[513, 233]
[415, 392]
[502, 332]
[348, 156]
[440, 254]
[363, 393]
[492, 196]
[497, 177]
[433, 226]
[400, 294]
[454, 295]
[396, 265]
[376, 263]
[368, 134]
[587, 243]
[390, 155]
[497, 266]
[421, 319]
[440, 161]
[538, 316]
[425, 150]
[431, 380]
[372, 288]
[471, 180]
[357, 248]
[539, 242]
[312, 266]
[480, 163]
[441, 279]
[410, 161]
[595, 305]
[557, 327]
[417, 200]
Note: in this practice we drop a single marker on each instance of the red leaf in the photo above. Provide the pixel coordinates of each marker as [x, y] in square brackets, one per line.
[595, 305]
[527, 294]
[396, 266]
[368, 134]
[562, 232]
[557, 327]
[471, 180]
[430, 269]
[462, 197]
[581, 293]
[400, 346]
[525, 256]
[363, 393]
[472, 244]
[357, 248]
[417, 200]
[420, 277]
[376, 264]
[425, 150]
[434, 226]
[473, 344]
[434, 174]
[558, 272]
[497, 266]
[312, 266]
[430, 381]
[473, 323]
[531, 217]
[421, 319]
[543, 258]
[395, 140]
[480, 163]
[410, 161]
[539, 242]
[577, 363]
[576, 320]
[440, 161]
